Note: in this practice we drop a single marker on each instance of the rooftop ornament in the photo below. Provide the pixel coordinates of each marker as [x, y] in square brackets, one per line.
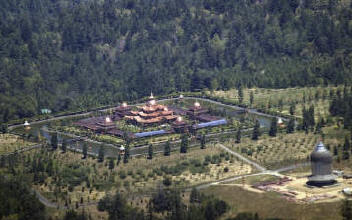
[166, 109]
[151, 96]
[152, 102]
[179, 118]
[107, 120]
[122, 149]
[279, 121]
[124, 104]
[26, 125]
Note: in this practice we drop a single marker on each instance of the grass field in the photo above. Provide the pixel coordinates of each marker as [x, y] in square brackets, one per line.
[279, 100]
[75, 179]
[286, 149]
[10, 143]
[271, 205]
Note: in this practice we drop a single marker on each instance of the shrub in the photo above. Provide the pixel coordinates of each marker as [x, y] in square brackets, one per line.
[122, 174]
[167, 181]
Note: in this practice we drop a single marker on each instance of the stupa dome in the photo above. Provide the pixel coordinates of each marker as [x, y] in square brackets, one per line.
[321, 154]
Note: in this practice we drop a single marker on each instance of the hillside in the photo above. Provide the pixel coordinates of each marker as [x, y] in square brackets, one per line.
[68, 55]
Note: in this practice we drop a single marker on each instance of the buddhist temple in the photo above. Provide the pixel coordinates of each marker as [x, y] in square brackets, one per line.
[196, 110]
[179, 125]
[122, 111]
[151, 113]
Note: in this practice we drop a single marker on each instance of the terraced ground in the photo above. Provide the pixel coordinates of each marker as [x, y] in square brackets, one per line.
[285, 149]
[279, 100]
[11, 143]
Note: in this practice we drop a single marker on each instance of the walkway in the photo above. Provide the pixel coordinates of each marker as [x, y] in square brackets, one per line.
[242, 157]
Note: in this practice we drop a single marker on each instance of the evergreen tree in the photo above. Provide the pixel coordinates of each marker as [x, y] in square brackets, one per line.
[111, 164]
[54, 141]
[240, 94]
[150, 151]
[345, 155]
[346, 210]
[291, 126]
[84, 150]
[118, 159]
[336, 152]
[64, 146]
[184, 144]
[292, 108]
[4, 128]
[203, 142]
[238, 136]
[126, 156]
[346, 145]
[273, 127]
[167, 148]
[101, 154]
[256, 131]
[195, 196]
[251, 98]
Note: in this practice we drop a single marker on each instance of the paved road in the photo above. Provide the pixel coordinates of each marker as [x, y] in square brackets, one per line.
[44, 200]
[242, 157]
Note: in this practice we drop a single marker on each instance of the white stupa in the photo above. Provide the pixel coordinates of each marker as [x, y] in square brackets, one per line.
[279, 121]
[108, 119]
[181, 96]
[196, 104]
[124, 104]
[26, 123]
[179, 118]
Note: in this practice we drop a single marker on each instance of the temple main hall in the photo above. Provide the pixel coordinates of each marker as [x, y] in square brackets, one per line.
[150, 114]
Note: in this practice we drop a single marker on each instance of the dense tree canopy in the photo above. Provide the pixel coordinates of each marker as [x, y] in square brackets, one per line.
[17, 201]
[67, 55]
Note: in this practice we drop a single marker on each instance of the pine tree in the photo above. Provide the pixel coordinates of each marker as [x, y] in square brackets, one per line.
[346, 210]
[238, 136]
[184, 144]
[292, 108]
[150, 152]
[251, 98]
[273, 127]
[291, 126]
[346, 145]
[64, 146]
[240, 94]
[126, 156]
[101, 155]
[54, 141]
[203, 142]
[4, 128]
[167, 149]
[336, 152]
[256, 131]
[111, 164]
[84, 150]
[118, 159]
[194, 197]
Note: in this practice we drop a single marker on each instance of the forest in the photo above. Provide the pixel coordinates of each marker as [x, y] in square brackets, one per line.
[71, 55]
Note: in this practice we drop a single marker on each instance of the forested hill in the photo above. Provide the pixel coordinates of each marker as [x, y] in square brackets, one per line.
[70, 54]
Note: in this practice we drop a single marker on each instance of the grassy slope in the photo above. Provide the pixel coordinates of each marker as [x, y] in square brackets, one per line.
[271, 205]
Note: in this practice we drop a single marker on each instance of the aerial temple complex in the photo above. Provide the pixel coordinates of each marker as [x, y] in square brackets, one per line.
[150, 117]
